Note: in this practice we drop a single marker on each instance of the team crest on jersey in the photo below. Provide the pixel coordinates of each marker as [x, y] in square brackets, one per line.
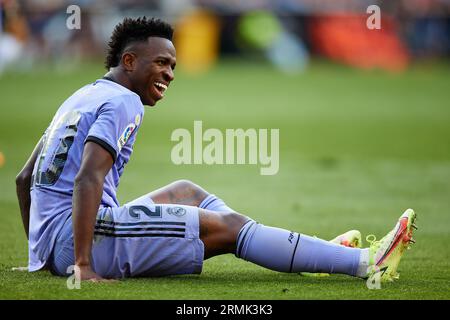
[176, 211]
[126, 135]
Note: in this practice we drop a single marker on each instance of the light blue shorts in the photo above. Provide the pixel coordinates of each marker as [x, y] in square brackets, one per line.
[139, 239]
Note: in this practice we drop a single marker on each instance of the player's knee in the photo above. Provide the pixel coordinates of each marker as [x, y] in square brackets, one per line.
[186, 186]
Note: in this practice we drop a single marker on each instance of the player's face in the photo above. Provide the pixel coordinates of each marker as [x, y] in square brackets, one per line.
[153, 72]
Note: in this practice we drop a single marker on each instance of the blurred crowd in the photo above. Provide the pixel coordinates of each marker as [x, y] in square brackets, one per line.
[287, 33]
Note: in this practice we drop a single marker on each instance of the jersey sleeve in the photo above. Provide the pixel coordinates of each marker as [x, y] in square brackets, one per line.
[114, 125]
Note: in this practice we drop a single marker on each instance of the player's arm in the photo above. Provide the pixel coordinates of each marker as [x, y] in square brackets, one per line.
[23, 184]
[87, 194]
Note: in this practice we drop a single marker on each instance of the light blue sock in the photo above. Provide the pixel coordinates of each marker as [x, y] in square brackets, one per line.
[213, 203]
[281, 250]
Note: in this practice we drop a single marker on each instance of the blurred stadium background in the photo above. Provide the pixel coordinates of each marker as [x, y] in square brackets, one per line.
[285, 30]
[364, 121]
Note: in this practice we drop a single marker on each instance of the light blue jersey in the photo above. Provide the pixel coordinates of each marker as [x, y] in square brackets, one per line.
[104, 112]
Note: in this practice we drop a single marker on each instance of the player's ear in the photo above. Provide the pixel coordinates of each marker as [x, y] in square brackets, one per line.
[129, 61]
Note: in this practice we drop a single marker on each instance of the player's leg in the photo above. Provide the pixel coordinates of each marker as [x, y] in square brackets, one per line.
[144, 239]
[188, 193]
[274, 248]
[282, 250]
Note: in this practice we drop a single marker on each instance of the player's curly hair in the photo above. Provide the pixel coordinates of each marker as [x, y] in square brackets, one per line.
[131, 30]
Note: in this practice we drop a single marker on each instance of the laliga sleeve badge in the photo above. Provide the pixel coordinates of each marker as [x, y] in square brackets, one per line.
[137, 120]
[125, 135]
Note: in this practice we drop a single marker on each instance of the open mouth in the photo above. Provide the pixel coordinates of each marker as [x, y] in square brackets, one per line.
[160, 88]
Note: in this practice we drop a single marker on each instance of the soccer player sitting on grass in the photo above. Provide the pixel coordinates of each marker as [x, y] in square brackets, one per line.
[67, 190]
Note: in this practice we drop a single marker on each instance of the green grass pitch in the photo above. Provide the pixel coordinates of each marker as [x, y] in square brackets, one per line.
[356, 150]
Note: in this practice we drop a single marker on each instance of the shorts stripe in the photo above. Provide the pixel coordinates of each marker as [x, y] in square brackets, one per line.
[135, 235]
[138, 229]
[142, 223]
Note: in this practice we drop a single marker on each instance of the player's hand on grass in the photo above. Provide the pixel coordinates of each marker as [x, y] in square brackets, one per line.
[85, 273]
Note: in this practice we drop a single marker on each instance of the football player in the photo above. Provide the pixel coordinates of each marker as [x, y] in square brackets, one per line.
[67, 190]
